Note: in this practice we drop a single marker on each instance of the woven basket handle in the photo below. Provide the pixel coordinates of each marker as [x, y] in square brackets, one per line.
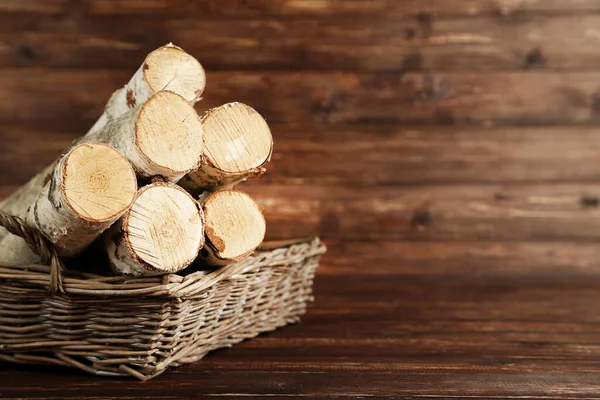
[40, 245]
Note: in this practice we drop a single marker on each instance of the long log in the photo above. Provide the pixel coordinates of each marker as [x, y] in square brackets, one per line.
[238, 143]
[163, 231]
[90, 188]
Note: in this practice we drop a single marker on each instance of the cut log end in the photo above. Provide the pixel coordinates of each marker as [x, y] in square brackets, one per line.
[235, 225]
[169, 134]
[164, 230]
[237, 138]
[237, 143]
[98, 183]
[89, 189]
[171, 68]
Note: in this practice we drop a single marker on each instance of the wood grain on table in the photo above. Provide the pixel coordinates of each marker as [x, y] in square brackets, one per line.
[447, 151]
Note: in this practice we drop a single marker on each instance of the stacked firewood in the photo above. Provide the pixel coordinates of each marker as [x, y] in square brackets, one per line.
[152, 179]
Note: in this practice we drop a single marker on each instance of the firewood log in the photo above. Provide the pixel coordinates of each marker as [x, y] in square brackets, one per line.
[166, 68]
[163, 136]
[90, 188]
[237, 144]
[162, 232]
[235, 226]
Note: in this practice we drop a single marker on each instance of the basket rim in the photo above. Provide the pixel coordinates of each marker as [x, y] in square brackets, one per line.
[163, 285]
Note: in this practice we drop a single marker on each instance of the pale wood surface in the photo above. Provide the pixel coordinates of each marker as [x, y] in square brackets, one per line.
[171, 68]
[235, 226]
[163, 231]
[97, 181]
[240, 139]
[168, 137]
[237, 144]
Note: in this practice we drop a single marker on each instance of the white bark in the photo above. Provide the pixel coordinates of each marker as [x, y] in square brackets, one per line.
[235, 226]
[237, 145]
[90, 188]
[162, 232]
[18, 202]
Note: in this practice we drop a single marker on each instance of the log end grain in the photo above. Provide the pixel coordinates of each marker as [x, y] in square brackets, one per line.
[171, 68]
[162, 232]
[235, 226]
[237, 143]
[98, 183]
[238, 138]
[169, 134]
[89, 189]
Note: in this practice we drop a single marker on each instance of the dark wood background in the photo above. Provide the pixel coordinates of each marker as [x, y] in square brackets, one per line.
[448, 151]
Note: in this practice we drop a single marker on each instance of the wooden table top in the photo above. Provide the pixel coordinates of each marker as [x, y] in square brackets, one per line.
[447, 152]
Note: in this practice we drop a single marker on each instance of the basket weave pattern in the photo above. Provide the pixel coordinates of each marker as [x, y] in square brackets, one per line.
[141, 326]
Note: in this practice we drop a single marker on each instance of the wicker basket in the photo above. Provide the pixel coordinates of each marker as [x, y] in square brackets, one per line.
[140, 326]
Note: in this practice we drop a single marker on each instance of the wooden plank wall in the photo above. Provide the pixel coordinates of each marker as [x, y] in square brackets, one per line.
[464, 106]
[422, 139]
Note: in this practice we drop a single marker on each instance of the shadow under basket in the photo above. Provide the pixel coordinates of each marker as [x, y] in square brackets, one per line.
[115, 326]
